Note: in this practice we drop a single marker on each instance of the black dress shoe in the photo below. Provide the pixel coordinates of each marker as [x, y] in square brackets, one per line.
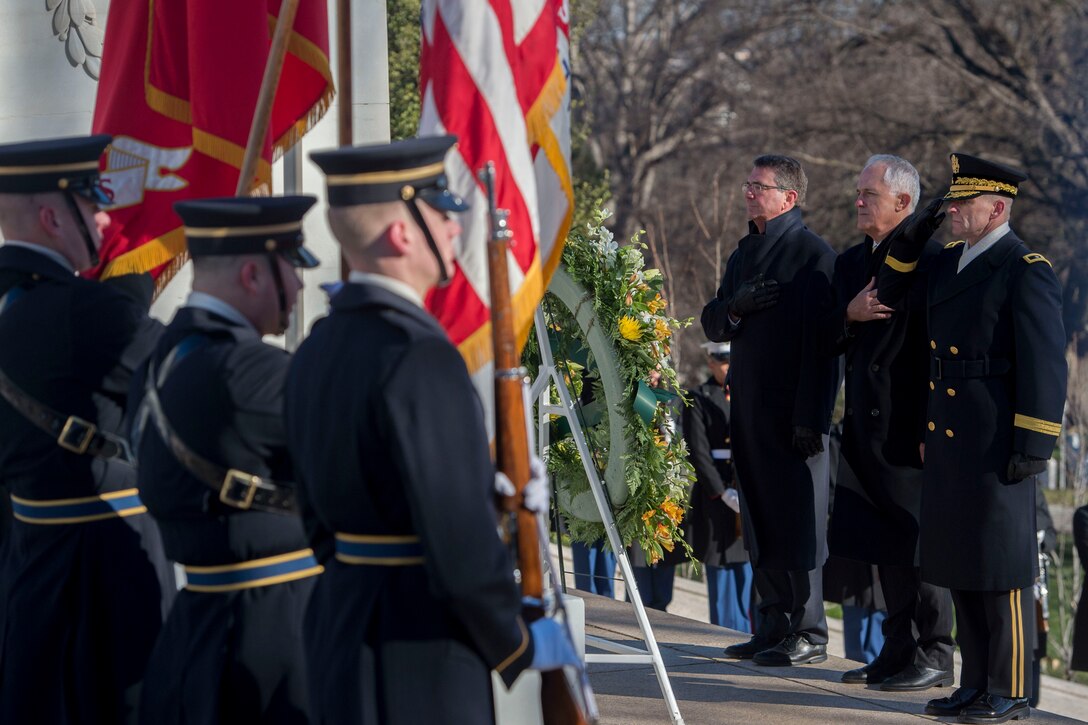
[955, 703]
[793, 650]
[871, 674]
[747, 650]
[915, 678]
[994, 708]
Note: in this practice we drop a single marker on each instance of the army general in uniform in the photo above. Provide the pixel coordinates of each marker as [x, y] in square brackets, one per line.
[997, 382]
[418, 603]
[215, 474]
[84, 580]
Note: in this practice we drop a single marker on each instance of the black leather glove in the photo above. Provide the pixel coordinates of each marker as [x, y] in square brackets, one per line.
[807, 442]
[754, 295]
[1021, 466]
[920, 226]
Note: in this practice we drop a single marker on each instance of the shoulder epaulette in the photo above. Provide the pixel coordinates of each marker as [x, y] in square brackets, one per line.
[1036, 257]
[956, 243]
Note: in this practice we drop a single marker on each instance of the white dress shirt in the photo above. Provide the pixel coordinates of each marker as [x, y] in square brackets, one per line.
[401, 289]
[972, 253]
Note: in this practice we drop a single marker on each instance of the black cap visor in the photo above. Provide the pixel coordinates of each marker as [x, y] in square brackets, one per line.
[300, 257]
[443, 199]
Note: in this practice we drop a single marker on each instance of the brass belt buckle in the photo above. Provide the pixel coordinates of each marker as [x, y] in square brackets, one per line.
[236, 478]
[77, 434]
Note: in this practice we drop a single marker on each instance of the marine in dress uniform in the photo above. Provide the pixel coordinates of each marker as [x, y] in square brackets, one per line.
[83, 574]
[997, 389]
[417, 603]
[714, 522]
[778, 279]
[216, 475]
[878, 494]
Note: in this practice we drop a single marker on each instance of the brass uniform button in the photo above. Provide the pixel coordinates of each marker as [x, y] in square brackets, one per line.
[949, 433]
[954, 350]
[931, 426]
[951, 392]
[933, 344]
[932, 386]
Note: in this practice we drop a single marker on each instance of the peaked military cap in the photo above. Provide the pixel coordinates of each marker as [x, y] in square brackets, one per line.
[247, 225]
[716, 349]
[972, 176]
[397, 171]
[55, 164]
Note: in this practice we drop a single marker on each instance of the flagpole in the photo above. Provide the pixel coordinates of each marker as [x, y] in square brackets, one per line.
[262, 114]
[346, 131]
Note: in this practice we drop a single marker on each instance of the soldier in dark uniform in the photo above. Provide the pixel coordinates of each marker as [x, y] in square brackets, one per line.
[997, 390]
[878, 496]
[84, 579]
[714, 518]
[417, 603]
[775, 284]
[215, 474]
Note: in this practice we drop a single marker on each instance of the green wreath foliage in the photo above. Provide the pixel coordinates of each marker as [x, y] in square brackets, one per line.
[629, 304]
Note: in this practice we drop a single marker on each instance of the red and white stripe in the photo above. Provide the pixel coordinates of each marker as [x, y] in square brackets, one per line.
[495, 73]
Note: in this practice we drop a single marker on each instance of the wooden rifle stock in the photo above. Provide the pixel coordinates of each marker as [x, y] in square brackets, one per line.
[558, 702]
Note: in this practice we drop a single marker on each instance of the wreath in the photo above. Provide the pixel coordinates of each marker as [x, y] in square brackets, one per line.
[629, 305]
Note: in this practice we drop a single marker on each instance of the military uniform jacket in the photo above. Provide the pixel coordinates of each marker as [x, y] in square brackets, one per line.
[388, 439]
[879, 491]
[778, 381]
[712, 529]
[997, 386]
[82, 602]
[229, 656]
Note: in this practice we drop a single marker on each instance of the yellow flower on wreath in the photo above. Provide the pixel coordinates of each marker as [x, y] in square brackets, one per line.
[630, 329]
[661, 329]
[656, 304]
[664, 537]
[672, 510]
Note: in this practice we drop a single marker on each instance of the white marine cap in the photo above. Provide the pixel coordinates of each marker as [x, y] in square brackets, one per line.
[715, 348]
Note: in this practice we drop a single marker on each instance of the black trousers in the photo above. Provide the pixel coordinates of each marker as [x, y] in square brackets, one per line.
[791, 602]
[918, 628]
[996, 635]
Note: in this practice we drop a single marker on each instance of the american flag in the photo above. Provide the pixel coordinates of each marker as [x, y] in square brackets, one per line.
[496, 73]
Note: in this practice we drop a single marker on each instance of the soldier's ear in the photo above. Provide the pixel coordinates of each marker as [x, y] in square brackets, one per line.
[47, 218]
[249, 275]
[398, 236]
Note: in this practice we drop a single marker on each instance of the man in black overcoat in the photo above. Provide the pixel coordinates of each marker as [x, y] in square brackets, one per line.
[713, 519]
[83, 577]
[418, 603]
[879, 491]
[776, 283]
[997, 391]
[216, 475]
[1079, 659]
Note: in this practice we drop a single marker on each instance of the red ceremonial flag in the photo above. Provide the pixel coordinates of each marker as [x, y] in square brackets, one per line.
[178, 89]
[496, 74]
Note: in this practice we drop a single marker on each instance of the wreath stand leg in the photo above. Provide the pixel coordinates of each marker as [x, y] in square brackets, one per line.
[617, 653]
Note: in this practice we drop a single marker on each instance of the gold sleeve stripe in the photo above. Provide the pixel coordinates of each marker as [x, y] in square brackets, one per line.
[1036, 257]
[900, 266]
[1035, 424]
[516, 653]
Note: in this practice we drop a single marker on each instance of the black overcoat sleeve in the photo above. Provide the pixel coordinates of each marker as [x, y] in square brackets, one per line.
[715, 317]
[819, 378]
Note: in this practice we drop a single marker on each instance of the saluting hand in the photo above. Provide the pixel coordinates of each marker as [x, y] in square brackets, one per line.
[865, 306]
[920, 225]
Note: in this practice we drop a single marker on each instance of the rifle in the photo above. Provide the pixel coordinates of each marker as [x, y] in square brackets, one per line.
[562, 702]
[1042, 589]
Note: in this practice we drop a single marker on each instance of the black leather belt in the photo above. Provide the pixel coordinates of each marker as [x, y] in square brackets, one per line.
[235, 487]
[942, 369]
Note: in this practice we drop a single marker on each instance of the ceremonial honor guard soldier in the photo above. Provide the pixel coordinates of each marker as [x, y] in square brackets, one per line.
[997, 388]
[216, 475]
[714, 518]
[879, 485]
[83, 576]
[418, 602]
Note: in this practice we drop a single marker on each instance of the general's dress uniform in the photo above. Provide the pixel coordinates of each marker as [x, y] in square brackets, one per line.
[83, 572]
[878, 492]
[996, 389]
[210, 418]
[714, 528]
[417, 603]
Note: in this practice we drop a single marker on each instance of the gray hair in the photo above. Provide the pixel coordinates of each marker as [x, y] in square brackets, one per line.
[900, 176]
[787, 173]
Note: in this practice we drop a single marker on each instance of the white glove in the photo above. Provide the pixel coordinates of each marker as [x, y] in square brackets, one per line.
[731, 499]
[536, 494]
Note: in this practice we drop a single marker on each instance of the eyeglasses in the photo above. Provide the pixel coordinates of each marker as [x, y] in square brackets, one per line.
[757, 188]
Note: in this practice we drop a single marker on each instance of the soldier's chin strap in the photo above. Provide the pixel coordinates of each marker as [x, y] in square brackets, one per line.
[443, 278]
[280, 291]
[82, 226]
